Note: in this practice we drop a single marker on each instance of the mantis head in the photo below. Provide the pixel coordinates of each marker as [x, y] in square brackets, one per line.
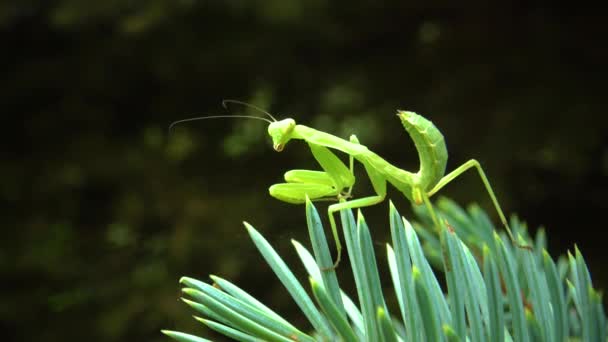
[281, 133]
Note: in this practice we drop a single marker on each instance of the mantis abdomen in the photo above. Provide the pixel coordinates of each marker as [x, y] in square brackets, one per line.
[430, 145]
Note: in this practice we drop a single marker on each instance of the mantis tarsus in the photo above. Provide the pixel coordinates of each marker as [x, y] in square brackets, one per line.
[337, 179]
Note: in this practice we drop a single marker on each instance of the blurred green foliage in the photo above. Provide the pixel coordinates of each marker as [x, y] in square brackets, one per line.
[104, 210]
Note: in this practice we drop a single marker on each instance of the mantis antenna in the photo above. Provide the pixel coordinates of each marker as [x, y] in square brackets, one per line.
[225, 105]
[216, 117]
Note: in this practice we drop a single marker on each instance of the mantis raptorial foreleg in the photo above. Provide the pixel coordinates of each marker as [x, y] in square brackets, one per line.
[326, 184]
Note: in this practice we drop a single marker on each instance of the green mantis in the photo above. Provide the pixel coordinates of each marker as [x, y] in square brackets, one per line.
[336, 179]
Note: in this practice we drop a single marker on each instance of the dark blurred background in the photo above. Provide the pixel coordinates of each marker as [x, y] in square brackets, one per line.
[103, 211]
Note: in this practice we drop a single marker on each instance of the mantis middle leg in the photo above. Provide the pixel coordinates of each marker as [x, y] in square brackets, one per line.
[379, 184]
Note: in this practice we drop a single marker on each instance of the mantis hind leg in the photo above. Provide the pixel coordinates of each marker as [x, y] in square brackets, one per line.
[429, 207]
[460, 170]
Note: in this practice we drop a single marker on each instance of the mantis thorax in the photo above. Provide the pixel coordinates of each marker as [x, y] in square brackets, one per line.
[281, 133]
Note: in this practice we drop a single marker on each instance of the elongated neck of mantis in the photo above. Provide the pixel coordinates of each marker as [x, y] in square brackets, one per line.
[314, 136]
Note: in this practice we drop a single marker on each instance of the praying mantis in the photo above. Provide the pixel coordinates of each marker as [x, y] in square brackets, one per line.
[337, 179]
